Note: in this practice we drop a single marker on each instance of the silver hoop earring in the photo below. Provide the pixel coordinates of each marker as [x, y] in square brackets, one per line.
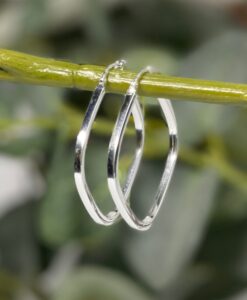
[81, 145]
[122, 205]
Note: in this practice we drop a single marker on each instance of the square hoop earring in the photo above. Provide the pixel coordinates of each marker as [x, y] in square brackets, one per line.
[81, 146]
[113, 158]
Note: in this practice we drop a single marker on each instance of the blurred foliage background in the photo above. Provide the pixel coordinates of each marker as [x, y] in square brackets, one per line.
[197, 247]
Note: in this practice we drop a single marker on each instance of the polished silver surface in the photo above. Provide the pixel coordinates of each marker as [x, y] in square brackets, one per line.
[113, 159]
[81, 146]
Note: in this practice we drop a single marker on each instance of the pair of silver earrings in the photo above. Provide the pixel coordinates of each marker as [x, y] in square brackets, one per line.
[119, 194]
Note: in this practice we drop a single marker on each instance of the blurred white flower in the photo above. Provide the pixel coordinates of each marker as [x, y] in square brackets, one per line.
[19, 182]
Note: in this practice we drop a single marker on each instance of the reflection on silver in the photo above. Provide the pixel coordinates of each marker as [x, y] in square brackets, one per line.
[119, 195]
[81, 145]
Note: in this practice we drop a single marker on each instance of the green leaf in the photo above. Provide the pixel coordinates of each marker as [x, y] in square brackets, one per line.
[18, 248]
[231, 205]
[235, 137]
[160, 254]
[162, 59]
[222, 58]
[22, 104]
[98, 283]
[58, 217]
[25, 101]
[63, 217]
[37, 15]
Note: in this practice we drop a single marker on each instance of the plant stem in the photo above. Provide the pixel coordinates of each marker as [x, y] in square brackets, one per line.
[19, 67]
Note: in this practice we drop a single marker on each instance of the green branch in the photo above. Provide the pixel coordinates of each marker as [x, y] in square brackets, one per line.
[19, 67]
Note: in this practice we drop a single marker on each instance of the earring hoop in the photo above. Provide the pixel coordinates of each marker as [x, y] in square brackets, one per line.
[81, 145]
[113, 159]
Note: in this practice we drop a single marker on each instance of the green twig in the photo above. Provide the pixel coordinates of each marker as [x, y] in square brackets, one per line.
[19, 67]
